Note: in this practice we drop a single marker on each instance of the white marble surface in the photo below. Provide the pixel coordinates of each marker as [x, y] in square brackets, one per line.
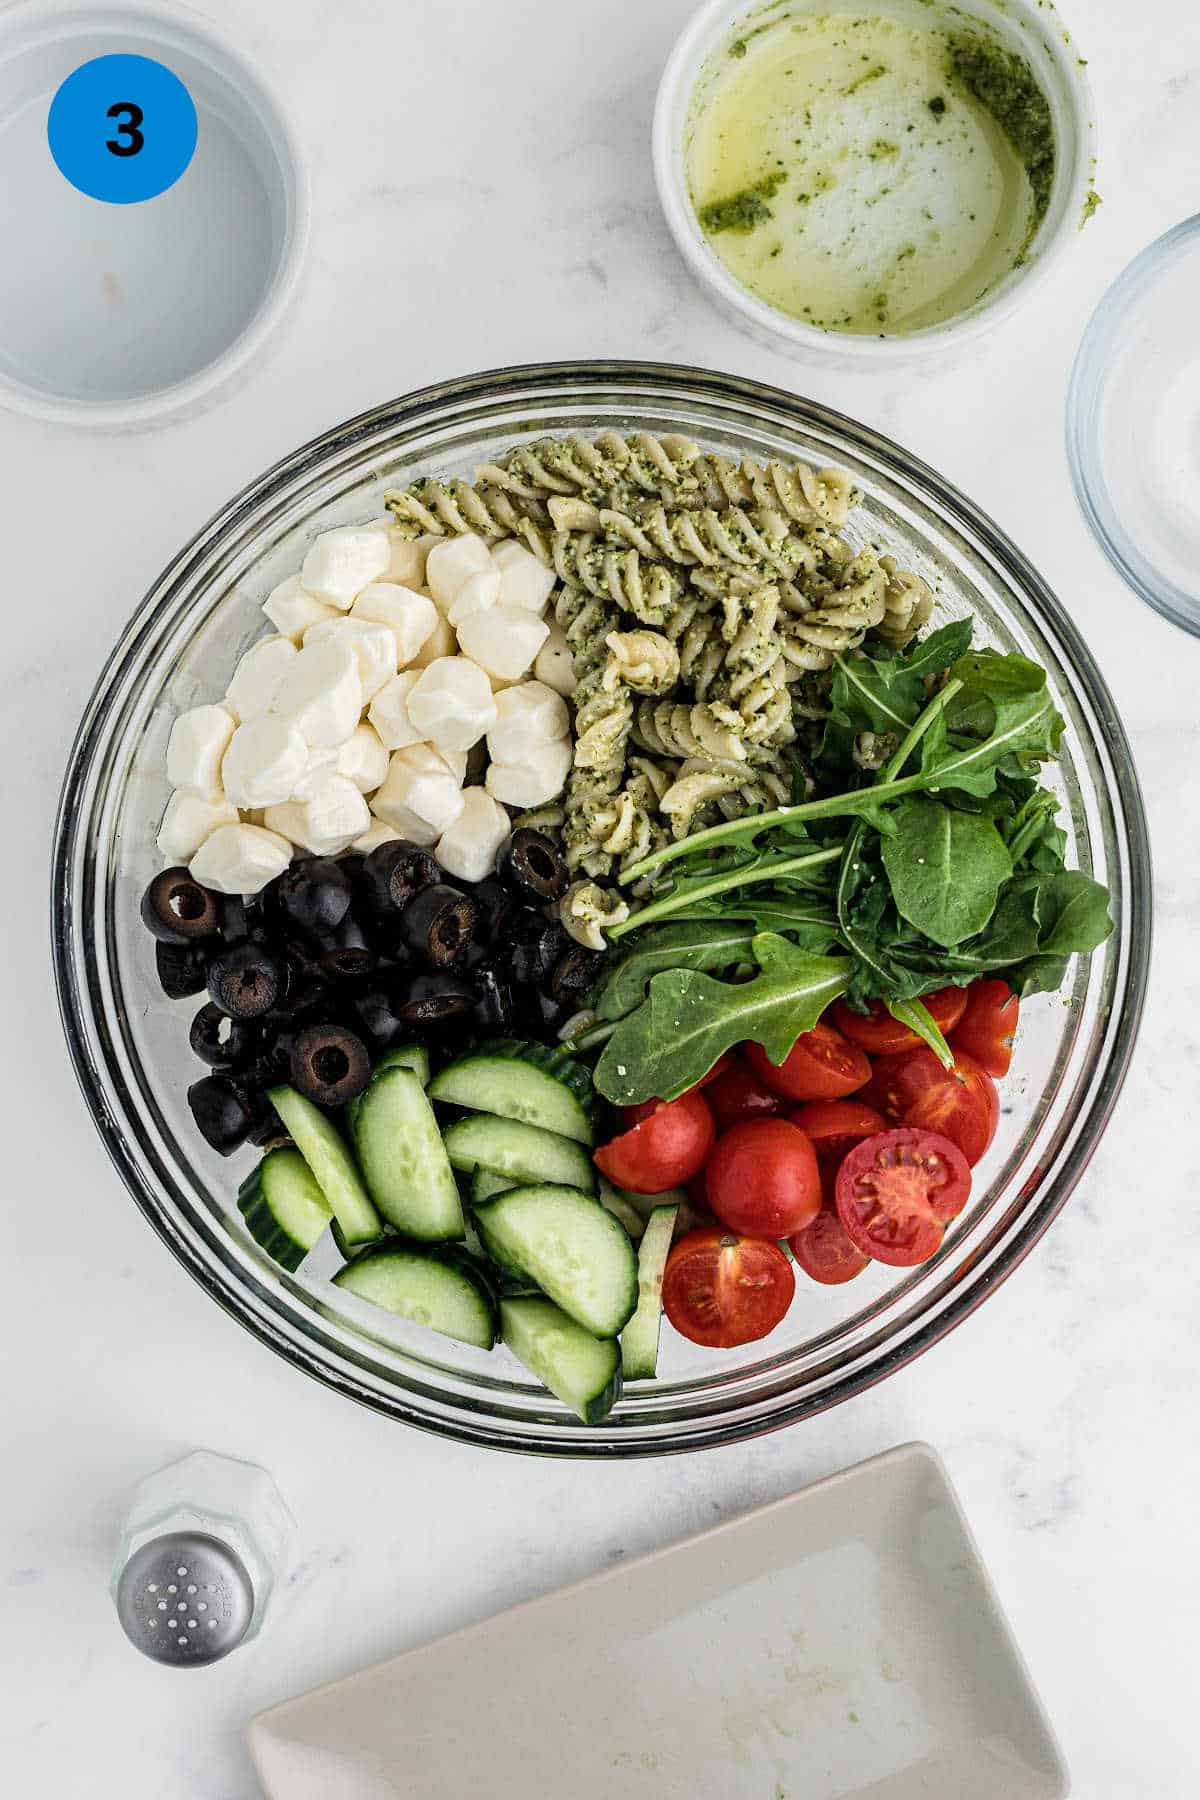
[482, 195]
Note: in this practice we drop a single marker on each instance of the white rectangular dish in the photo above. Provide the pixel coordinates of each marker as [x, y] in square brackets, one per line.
[844, 1641]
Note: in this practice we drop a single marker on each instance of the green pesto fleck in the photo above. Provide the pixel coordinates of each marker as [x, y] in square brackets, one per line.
[738, 47]
[744, 210]
[1089, 206]
[871, 74]
[881, 149]
[937, 106]
[1004, 83]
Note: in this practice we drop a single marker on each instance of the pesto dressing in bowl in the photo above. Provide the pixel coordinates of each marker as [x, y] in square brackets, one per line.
[867, 173]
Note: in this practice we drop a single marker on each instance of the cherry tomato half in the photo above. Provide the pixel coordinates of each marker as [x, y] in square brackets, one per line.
[763, 1179]
[960, 1103]
[835, 1126]
[987, 1028]
[738, 1095]
[665, 1148]
[821, 1065]
[824, 1251]
[720, 1289]
[897, 1192]
[878, 1033]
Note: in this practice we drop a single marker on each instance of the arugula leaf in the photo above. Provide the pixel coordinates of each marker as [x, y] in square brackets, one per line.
[1026, 725]
[688, 1020]
[918, 1018]
[713, 879]
[879, 690]
[719, 945]
[945, 869]
[1040, 922]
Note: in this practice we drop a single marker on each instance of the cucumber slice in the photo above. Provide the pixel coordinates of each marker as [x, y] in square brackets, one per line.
[403, 1159]
[404, 1056]
[584, 1372]
[324, 1150]
[521, 1081]
[485, 1185]
[616, 1201]
[576, 1252]
[284, 1209]
[437, 1285]
[522, 1152]
[639, 1340]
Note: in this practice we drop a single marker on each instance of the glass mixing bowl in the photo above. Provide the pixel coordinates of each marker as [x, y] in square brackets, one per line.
[130, 1045]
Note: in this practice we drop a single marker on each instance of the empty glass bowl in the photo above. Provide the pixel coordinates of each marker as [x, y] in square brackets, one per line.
[130, 1045]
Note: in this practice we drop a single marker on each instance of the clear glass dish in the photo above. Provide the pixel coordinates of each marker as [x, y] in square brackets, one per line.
[1133, 424]
[130, 1046]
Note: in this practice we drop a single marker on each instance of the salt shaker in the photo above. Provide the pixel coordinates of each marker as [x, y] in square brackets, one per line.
[204, 1543]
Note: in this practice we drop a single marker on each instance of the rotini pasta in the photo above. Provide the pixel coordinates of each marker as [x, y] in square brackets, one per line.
[608, 465]
[588, 910]
[705, 536]
[907, 604]
[645, 661]
[807, 496]
[449, 508]
[671, 728]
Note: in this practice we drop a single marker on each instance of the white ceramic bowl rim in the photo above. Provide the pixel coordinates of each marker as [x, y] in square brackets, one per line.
[32, 22]
[1072, 108]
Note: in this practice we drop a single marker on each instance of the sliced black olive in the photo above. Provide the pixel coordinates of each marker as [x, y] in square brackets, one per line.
[345, 953]
[329, 1064]
[376, 1006]
[533, 866]
[435, 999]
[314, 895]
[270, 1065]
[224, 1117]
[269, 1134]
[537, 944]
[306, 989]
[496, 909]
[396, 872]
[495, 1006]
[247, 981]
[220, 1041]
[178, 910]
[242, 917]
[574, 974]
[182, 969]
[438, 925]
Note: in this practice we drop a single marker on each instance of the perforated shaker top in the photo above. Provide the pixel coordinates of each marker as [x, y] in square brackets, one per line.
[185, 1598]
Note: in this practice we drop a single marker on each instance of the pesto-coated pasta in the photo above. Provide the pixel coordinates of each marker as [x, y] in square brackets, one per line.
[450, 508]
[807, 496]
[609, 465]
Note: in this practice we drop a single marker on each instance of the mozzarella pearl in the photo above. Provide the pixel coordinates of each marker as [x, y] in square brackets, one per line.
[477, 594]
[537, 778]
[198, 741]
[264, 761]
[188, 820]
[468, 849]
[292, 610]
[524, 581]
[526, 716]
[388, 712]
[420, 798]
[341, 563]
[373, 644]
[408, 555]
[411, 617]
[440, 642]
[451, 703]
[554, 666]
[321, 693]
[240, 859]
[377, 833]
[363, 759]
[451, 562]
[504, 640]
[257, 676]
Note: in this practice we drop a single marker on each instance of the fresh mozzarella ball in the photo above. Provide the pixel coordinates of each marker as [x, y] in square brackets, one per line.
[240, 859]
[554, 665]
[286, 821]
[440, 642]
[420, 798]
[319, 766]
[264, 761]
[408, 615]
[451, 562]
[321, 693]
[538, 777]
[341, 563]
[526, 717]
[451, 703]
[504, 640]
[388, 712]
[363, 759]
[408, 554]
[199, 739]
[373, 644]
[468, 849]
[335, 813]
[455, 761]
[188, 820]
[291, 610]
[524, 581]
[257, 676]
[476, 595]
[377, 833]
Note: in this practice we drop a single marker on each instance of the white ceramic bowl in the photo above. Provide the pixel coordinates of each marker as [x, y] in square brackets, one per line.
[117, 315]
[1031, 27]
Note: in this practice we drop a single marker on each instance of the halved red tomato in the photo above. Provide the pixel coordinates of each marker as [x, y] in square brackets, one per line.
[739, 1094]
[835, 1126]
[824, 1251]
[666, 1145]
[721, 1289]
[821, 1065]
[960, 1103]
[763, 1179]
[880, 1035]
[897, 1192]
[987, 1028]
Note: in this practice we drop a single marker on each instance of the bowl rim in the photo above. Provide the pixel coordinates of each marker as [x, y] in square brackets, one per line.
[23, 26]
[767, 322]
[335, 1368]
[1084, 430]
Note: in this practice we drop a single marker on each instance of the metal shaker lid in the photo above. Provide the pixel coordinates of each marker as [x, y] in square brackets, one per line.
[185, 1598]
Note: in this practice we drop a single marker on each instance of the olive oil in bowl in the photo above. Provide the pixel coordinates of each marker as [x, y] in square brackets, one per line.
[872, 173]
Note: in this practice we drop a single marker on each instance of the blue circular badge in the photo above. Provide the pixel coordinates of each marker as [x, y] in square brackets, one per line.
[122, 129]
